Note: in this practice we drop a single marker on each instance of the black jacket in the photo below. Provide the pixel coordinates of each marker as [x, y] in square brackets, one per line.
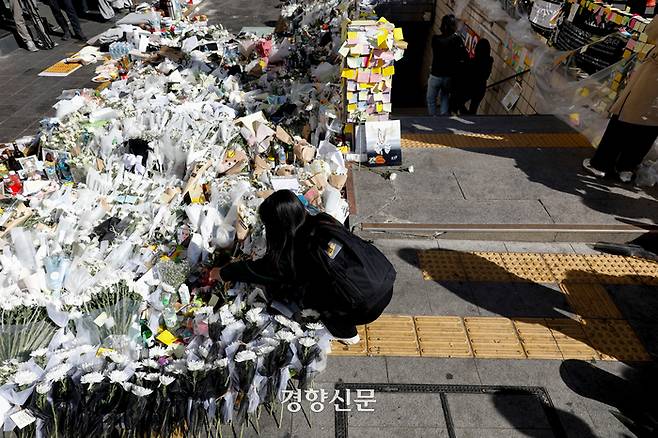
[308, 288]
[448, 55]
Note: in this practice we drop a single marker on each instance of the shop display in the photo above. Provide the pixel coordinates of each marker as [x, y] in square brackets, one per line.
[115, 214]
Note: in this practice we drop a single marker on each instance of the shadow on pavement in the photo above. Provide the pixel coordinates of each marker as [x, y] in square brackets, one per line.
[631, 395]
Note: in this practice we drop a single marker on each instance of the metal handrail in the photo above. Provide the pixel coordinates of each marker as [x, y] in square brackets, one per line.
[495, 84]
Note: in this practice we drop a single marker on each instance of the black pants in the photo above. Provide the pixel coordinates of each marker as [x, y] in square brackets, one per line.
[343, 325]
[56, 6]
[623, 146]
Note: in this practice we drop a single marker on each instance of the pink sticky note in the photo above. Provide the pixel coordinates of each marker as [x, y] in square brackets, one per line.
[375, 78]
[363, 76]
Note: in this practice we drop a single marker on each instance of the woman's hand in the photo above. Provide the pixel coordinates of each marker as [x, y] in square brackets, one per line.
[215, 275]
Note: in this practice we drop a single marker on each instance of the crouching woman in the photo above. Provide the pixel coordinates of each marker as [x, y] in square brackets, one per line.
[314, 262]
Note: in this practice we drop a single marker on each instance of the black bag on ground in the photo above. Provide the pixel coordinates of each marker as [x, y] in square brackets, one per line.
[359, 273]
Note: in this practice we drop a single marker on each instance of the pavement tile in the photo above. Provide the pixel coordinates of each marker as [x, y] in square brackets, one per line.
[491, 411]
[267, 426]
[401, 410]
[503, 433]
[451, 298]
[539, 247]
[397, 432]
[472, 245]
[354, 370]
[437, 371]
[410, 297]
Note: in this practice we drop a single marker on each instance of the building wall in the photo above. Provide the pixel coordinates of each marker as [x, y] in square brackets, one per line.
[495, 32]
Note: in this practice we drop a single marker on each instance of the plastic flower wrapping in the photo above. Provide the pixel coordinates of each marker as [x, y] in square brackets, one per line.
[111, 322]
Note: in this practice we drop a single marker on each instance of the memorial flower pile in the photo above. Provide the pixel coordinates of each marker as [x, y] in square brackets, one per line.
[110, 322]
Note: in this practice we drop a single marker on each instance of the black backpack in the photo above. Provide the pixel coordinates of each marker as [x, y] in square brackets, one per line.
[359, 273]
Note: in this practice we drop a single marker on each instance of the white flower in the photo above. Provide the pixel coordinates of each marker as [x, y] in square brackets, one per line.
[150, 363]
[310, 313]
[119, 376]
[195, 365]
[315, 326]
[264, 349]
[245, 355]
[152, 377]
[140, 391]
[166, 380]
[282, 320]
[39, 352]
[307, 341]
[44, 387]
[393, 176]
[58, 373]
[117, 358]
[253, 315]
[157, 351]
[24, 378]
[222, 363]
[285, 335]
[92, 378]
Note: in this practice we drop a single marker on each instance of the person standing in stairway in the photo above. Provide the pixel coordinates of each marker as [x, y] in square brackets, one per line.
[56, 7]
[21, 28]
[448, 57]
[475, 77]
[633, 127]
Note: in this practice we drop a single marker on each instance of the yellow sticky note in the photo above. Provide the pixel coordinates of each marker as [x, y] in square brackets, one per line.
[380, 107]
[381, 38]
[348, 74]
[383, 20]
[166, 337]
[349, 128]
[351, 107]
[351, 36]
[366, 86]
[627, 54]
[377, 71]
[397, 34]
[349, 95]
[389, 71]
[643, 37]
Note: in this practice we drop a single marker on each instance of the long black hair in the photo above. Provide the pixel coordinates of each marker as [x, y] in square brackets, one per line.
[448, 25]
[283, 214]
[483, 49]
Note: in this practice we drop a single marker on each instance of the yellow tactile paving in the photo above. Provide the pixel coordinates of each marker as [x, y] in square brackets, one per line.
[590, 300]
[497, 338]
[569, 267]
[484, 266]
[571, 339]
[527, 267]
[612, 269]
[360, 349]
[493, 338]
[647, 270]
[537, 339]
[442, 336]
[615, 340]
[476, 140]
[441, 265]
[392, 335]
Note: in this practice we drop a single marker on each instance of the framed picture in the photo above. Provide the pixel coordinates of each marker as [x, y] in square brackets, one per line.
[383, 143]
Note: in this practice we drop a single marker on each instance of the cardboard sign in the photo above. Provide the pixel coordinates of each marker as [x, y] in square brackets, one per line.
[383, 143]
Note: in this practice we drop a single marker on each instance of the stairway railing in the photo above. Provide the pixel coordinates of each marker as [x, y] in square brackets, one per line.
[509, 78]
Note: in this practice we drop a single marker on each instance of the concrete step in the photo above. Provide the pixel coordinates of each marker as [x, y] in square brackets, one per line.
[483, 124]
